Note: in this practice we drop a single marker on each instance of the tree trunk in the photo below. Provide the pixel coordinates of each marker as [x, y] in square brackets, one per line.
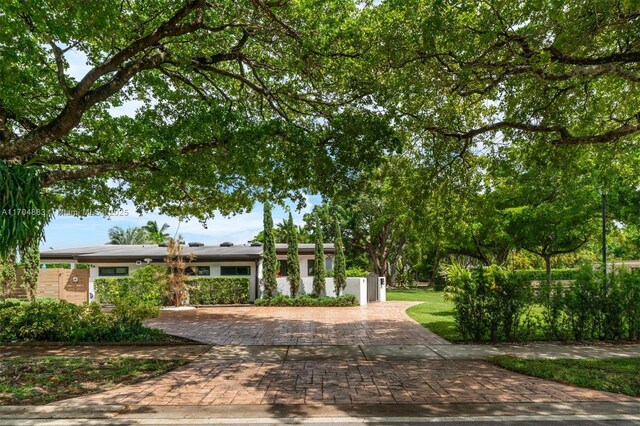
[393, 272]
[547, 263]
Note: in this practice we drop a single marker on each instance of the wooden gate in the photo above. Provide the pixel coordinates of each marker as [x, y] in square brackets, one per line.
[372, 288]
[71, 285]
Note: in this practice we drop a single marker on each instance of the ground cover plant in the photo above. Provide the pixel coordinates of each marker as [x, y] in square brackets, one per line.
[612, 375]
[307, 300]
[35, 381]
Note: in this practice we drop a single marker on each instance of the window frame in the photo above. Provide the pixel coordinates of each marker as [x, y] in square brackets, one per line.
[283, 262]
[114, 274]
[236, 274]
[190, 271]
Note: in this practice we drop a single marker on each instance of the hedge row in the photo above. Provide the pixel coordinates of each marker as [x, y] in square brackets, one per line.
[541, 274]
[218, 290]
[147, 285]
[492, 303]
[306, 300]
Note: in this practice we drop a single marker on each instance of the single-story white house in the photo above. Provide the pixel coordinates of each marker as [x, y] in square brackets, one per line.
[226, 259]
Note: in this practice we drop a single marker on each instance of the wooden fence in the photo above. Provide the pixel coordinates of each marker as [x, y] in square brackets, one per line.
[71, 285]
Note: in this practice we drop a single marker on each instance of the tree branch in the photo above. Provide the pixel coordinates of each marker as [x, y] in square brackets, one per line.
[59, 59]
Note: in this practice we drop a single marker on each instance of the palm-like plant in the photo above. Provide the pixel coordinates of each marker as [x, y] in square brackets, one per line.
[156, 233]
[131, 235]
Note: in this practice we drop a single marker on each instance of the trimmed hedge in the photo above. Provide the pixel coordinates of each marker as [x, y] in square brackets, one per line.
[356, 272]
[146, 285]
[306, 300]
[492, 303]
[61, 321]
[541, 274]
[218, 290]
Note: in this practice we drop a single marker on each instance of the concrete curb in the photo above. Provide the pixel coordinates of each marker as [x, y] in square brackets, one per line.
[319, 412]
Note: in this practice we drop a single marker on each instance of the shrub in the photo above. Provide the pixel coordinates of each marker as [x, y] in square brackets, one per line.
[439, 282]
[147, 284]
[132, 313]
[405, 279]
[554, 317]
[490, 303]
[356, 272]
[62, 321]
[308, 300]
[218, 290]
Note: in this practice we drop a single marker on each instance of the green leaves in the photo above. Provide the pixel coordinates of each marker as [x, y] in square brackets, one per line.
[23, 209]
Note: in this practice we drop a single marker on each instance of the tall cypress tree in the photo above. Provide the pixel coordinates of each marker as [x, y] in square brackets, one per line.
[293, 263]
[340, 264]
[318, 260]
[270, 260]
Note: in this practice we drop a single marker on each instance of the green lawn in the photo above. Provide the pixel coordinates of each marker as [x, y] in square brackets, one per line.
[612, 375]
[35, 381]
[435, 314]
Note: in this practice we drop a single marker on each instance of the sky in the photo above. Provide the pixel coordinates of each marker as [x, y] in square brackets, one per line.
[68, 231]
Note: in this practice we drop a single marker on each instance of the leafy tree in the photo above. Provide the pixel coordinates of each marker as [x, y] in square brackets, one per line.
[131, 235]
[232, 99]
[270, 260]
[548, 70]
[156, 233]
[340, 266]
[318, 261]
[547, 197]
[280, 233]
[293, 261]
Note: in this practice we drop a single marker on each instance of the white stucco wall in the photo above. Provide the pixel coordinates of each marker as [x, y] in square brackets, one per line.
[356, 286]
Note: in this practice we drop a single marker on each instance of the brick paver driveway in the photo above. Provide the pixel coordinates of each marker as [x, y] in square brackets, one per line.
[220, 382]
[375, 324]
[304, 365]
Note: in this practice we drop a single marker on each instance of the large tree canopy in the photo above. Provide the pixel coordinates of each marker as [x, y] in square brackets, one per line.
[239, 100]
[480, 70]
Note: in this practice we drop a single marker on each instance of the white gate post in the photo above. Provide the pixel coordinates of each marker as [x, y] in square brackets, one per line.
[382, 289]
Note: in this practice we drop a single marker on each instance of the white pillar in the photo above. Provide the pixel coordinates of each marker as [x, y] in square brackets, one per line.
[382, 289]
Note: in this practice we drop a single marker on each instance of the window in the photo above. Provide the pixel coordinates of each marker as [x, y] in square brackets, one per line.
[113, 271]
[328, 264]
[235, 270]
[201, 271]
[283, 268]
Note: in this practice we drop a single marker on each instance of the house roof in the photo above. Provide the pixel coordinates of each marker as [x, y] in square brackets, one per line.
[304, 248]
[132, 253]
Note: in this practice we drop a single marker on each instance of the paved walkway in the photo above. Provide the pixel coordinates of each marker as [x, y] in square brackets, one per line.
[223, 382]
[375, 324]
[329, 352]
